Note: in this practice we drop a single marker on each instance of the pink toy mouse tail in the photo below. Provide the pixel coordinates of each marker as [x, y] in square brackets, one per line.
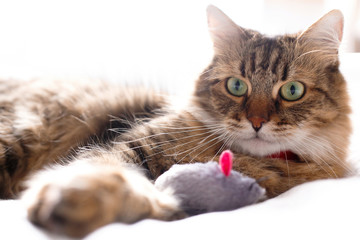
[225, 162]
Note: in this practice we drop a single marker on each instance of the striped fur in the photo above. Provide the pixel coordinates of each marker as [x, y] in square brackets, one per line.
[91, 138]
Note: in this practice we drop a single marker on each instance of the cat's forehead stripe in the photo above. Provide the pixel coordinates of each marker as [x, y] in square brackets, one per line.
[266, 54]
[252, 62]
[268, 50]
[276, 63]
[242, 68]
[285, 72]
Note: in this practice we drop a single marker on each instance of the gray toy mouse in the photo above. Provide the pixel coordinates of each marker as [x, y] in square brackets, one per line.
[209, 187]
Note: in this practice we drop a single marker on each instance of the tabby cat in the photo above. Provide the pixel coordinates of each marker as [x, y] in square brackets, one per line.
[91, 150]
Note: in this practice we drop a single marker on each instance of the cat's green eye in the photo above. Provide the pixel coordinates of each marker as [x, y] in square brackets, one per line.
[292, 91]
[236, 86]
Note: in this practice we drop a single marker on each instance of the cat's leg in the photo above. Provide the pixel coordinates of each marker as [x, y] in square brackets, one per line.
[32, 135]
[89, 193]
[42, 121]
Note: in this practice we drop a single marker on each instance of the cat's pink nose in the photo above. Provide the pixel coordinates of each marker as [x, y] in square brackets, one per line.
[257, 122]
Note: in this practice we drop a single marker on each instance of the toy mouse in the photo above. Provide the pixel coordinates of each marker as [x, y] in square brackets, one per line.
[209, 187]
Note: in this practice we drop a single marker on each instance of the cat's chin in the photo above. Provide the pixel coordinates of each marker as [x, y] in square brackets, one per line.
[257, 147]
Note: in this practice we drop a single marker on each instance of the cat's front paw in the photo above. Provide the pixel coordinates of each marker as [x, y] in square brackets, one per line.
[84, 202]
[74, 212]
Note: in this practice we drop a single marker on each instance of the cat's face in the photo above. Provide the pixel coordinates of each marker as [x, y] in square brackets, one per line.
[283, 93]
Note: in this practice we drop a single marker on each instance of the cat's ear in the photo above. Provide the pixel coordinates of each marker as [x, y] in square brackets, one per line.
[221, 28]
[325, 34]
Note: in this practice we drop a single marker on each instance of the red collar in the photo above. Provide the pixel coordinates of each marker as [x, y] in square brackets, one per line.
[286, 155]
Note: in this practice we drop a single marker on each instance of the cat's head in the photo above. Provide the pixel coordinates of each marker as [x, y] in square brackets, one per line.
[271, 94]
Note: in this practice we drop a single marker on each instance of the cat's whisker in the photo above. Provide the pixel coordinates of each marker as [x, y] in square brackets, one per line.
[207, 71]
[170, 133]
[332, 151]
[226, 139]
[210, 133]
[217, 140]
[219, 151]
[306, 53]
[177, 146]
[317, 157]
[189, 127]
[166, 133]
[300, 147]
[281, 146]
[203, 143]
[161, 144]
[321, 139]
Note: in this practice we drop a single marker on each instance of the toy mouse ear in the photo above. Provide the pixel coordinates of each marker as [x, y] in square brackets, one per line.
[225, 162]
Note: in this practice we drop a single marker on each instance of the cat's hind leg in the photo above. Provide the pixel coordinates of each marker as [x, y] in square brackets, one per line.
[43, 122]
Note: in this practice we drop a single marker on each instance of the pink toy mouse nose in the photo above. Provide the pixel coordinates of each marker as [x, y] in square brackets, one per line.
[225, 162]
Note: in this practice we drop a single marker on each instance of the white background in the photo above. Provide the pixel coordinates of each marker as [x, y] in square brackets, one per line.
[134, 40]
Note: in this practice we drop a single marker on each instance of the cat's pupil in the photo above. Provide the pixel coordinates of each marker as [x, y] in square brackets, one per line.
[237, 85]
[292, 89]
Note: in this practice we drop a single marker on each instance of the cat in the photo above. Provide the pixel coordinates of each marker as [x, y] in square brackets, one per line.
[89, 151]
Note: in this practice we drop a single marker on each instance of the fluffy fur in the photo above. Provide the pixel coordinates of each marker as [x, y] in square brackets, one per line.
[95, 136]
